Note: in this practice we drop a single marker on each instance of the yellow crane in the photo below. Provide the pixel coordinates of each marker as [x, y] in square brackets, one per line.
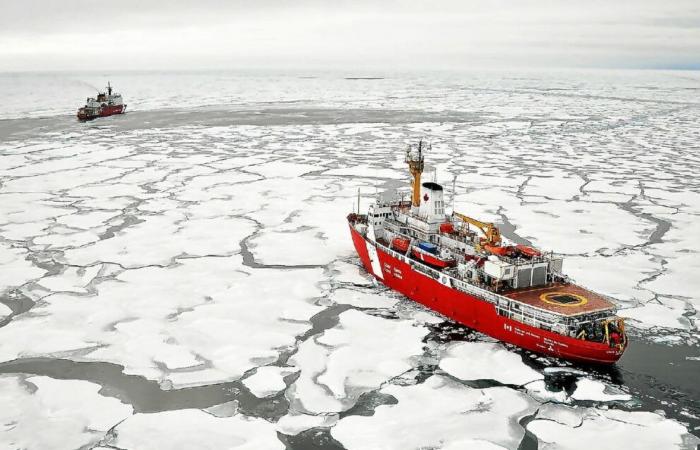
[491, 233]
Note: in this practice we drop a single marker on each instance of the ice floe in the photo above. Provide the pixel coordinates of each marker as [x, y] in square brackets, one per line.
[350, 274]
[41, 412]
[153, 320]
[436, 414]
[363, 299]
[267, 380]
[159, 239]
[658, 315]
[486, 361]
[4, 311]
[561, 427]
[593, 390]
[346, 361]
[16, 268]
[192, 428]
[294, 423]
[73, 279]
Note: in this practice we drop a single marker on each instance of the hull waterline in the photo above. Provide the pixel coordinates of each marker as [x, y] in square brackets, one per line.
[473, 312]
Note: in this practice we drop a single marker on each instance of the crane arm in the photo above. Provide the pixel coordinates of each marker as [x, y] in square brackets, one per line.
[493, 236]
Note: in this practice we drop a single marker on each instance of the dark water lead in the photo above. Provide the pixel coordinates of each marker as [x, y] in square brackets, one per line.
[146, 396]
[17, 302]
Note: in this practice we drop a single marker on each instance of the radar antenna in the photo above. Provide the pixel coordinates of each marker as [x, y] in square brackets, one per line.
[416, 164]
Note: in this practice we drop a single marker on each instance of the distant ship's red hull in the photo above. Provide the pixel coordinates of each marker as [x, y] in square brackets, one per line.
[473, 312]
[104, 112]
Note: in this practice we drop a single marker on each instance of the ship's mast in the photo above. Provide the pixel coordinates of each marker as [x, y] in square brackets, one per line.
[109, 89]
[415, 166]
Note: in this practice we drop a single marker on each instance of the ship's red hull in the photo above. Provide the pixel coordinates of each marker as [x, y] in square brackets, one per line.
[473, 312]
[104, 112]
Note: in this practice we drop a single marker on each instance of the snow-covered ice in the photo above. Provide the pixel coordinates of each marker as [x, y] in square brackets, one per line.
[209, 248]
[363, 299]
[41, 412]
[439, 412]
[345, 361]
[192, 428]
[487, 361]
[588, 389]
[267, 380]
[560, 427]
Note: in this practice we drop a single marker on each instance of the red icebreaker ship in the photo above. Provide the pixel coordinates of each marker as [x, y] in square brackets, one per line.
[459, 267]
[104, 105]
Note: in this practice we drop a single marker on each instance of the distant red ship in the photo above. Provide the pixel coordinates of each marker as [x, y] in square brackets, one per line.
[514, 293]
[106, 104]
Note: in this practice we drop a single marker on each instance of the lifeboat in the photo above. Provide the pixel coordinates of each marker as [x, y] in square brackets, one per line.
[424, 254]
[447, 227]
[400, 244]
[528, 251]
[498, 250]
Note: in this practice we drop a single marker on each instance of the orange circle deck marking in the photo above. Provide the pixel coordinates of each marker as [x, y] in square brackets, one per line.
[547, 298]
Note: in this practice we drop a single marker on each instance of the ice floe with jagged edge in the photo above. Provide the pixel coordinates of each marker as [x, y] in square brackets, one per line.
[439, 413]
[567, 428]
[41, 412]
[268, 380]
[72, 279]
[365, 171]
[4, 311]
[597, 391]
[665, 313]
[616, 275]
[16, 269]
[166, 325]
[363, 299]
[159, 239]
[294, 422]
[194, 428]
[358, 355]
[487, 361]
[311, 230]
[348, 273]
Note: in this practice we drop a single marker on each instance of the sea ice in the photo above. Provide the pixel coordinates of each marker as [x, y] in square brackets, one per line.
[656, 315]
[41, 412]
[561, 427]
[4, 311]
[294, 423]
[487, 361]
[73, 279]
[192, 428]
[153, 320]
[345, 361]
[366, 171]
[588, 389]
[363, 299]
[16, 268]
[350, 274]
[159, 239]
[267, 380]
[438, 413]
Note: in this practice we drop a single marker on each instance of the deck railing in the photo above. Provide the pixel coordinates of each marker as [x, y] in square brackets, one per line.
[505, 306]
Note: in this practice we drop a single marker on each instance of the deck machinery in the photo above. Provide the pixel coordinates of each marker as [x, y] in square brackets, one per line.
[460, 267]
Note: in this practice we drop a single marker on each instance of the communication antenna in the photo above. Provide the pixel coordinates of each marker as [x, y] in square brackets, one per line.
[358, 200]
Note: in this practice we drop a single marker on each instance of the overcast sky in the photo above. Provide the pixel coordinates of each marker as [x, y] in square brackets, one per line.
[361, 34]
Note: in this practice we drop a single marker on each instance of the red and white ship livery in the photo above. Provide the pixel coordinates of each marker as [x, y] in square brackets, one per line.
[461, 268]
[105, 104]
